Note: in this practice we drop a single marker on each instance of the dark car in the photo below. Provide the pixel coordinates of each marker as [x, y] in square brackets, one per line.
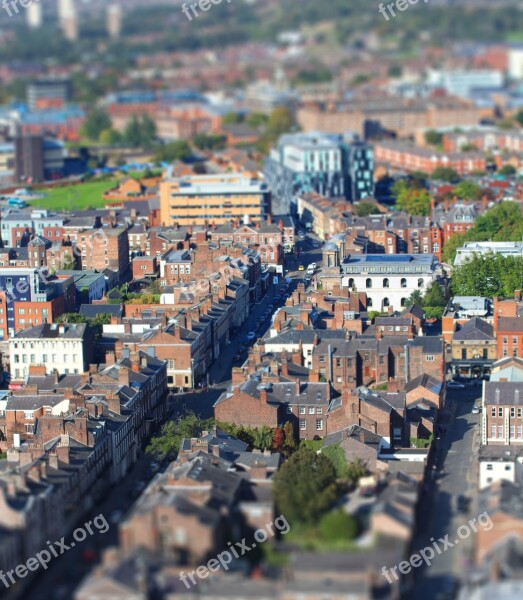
[463, 503]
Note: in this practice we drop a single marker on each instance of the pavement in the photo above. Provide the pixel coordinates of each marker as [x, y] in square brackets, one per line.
[457, 474]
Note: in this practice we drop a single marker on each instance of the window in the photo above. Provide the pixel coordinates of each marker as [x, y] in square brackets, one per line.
[489, 467]
[302, 410]
[429, 358]
[500, 411]
[385, 283]
[493, 413]
[368, 283]
[512, 431]
[303, 424]
[312, 410]
[512, 411]
[289, 410]
[319, 424]
[493, 431]
[520, 432]
[500, 431]
[403, 283]
[29, 428]
[319, 410]
[28, 414]
[519, 412]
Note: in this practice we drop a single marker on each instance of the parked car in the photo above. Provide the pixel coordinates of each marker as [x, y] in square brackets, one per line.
[116, 516]
[455, 385]
[251, 336]
[476, 409]
[301, 268]
[462, 503]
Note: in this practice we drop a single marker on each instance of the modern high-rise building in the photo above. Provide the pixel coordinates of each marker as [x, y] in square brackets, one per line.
[218, 199]
[29, 158]
[34, 15]
[48, 92]
[68, 19]
[114, 21]
[331, 165]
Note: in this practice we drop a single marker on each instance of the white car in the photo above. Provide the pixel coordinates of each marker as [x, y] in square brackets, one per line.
[455, 385]
[476, 410]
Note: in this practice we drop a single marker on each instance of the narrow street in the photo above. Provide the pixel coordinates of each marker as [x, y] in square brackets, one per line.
[456, 475]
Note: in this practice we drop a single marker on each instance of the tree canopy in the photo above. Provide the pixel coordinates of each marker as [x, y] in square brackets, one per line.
[503, 223]
[97, 121]
[305, 487]
[445, 174]
[167, 443]
[490, 275]
[411, 198]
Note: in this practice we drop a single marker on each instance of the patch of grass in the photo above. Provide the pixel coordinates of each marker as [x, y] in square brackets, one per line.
[312, 444]
[75, 197]
[311, 538]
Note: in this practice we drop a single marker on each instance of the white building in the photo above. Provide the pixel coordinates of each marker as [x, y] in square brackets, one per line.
[464, 83]
[469, 249]
[388, 279]
[66, 348]
[515, 62]
[500, 462]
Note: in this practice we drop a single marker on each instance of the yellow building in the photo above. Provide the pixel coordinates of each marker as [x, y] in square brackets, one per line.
[218, 199]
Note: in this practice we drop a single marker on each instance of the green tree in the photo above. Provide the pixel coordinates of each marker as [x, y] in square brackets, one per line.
[415, 298]
[445, 174]
[468, 190]
[356, 470]
[132, 134]
[280, 121]
[434, 295]
[110, 137]
[71, 318]
[305, 487]
[412, 200]
[178, 150]
[209, 142]
[166, 444]
[433, 137]
[489, 275]
[450, 247]
[337, 456]
[232, 118]
[97, 121]
[338, 526]
[507, 170]
[263, 438]
[256, 120]
[519, 117]
[364, 209]
[395, 71]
